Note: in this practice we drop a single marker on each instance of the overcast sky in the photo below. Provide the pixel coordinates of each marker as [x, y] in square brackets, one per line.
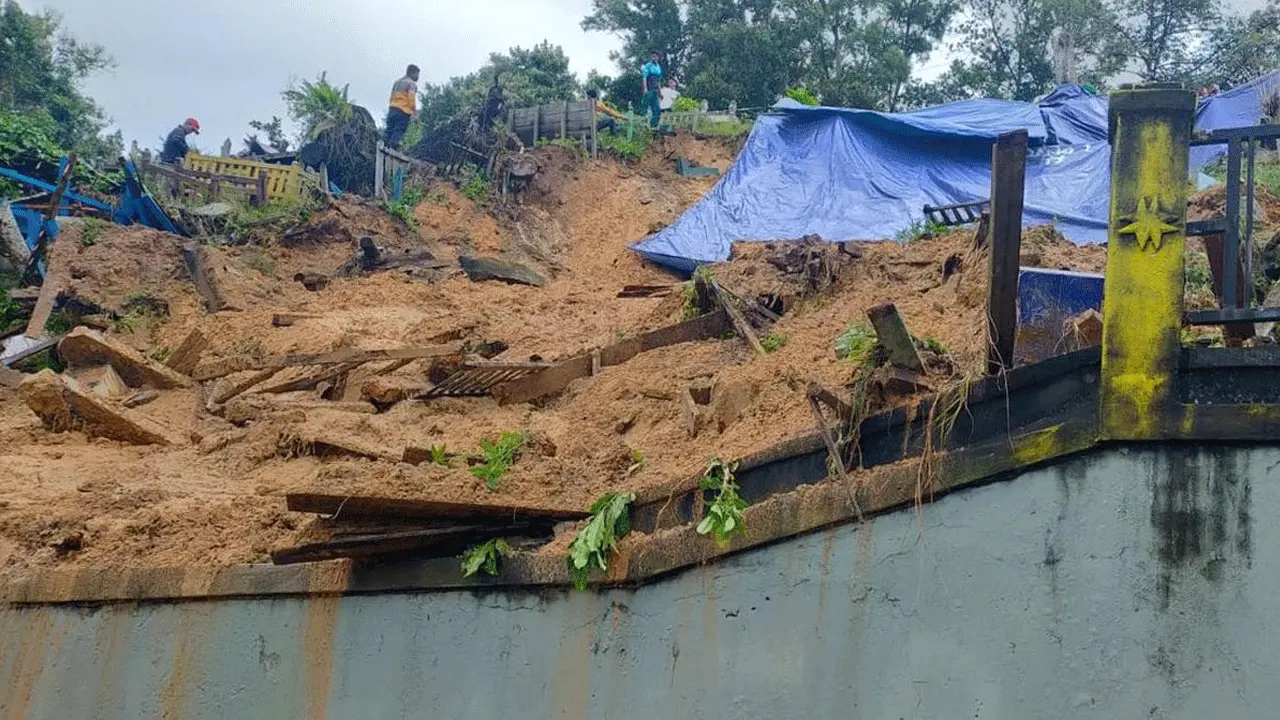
[225, 62]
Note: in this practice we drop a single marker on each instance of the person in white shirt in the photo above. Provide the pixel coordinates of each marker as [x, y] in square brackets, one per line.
[667, 96]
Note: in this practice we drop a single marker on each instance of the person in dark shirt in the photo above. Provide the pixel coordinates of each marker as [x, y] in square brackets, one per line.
[494, 105]
[175, 145]
[651, 75]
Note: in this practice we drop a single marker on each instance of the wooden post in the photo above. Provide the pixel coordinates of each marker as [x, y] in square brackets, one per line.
[1142, 310]
[262, 189]
[55, 202]
[378, 164]
[564, 120]
[892, 333]
[537, 117]
[594, 151]
[1008, 181]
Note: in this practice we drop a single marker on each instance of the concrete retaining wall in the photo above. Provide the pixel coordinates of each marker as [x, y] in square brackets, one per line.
[1134, 583]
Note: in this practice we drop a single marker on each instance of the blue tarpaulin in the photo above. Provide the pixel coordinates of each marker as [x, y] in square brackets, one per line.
[860, 175]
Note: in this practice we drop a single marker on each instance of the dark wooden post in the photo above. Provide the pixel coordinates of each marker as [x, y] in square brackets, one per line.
[1008, 179]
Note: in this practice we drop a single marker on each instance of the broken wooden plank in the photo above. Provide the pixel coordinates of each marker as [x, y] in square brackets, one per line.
[187, 356]
[371, 507]
[424, 543]
[310, 382]
[222, 368]
[739, 322]
[195, 259]
[481, 268]
[478, 378]
[84, 348]
[646, 291]
[902, 382]
[1008, 184]
[227, 390]
[833, 452]
[322, 441]
[49, 293]
[829, 398]
[892, 333]
[291, 319]
[558, 377]
[63, 404]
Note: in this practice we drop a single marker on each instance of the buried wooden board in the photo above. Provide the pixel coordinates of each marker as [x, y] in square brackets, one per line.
[423, 543]
[195, 259]
[222, 368]
[357, 507]
[478, 378]
[558, 377]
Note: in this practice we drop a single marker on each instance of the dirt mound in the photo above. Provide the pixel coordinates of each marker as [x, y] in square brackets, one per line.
[216, 499]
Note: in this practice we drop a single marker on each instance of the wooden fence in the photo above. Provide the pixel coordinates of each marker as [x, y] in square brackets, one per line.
[565, 120]
[392, 169]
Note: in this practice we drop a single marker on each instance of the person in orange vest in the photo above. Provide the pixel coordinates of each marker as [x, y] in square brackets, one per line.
[175, 144]
[610, 118]
[404, 106]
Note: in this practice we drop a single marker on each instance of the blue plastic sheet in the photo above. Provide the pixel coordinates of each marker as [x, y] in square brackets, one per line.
[862, 175]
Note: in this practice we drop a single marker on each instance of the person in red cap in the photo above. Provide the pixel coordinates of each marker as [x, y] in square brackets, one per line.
[175, 145]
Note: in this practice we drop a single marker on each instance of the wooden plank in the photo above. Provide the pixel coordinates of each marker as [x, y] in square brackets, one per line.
[222, 368]
[830, 399]
[372, 507]
[196, 262]
[893, 336]
[833, 452]
[230, 390]
[379, 165]
[429, 543]
[311, 381]
[1008, 183]
[187, 356]
[291, 319]
[646, 291]
[49, 292]
[557, 378]
[739, 322]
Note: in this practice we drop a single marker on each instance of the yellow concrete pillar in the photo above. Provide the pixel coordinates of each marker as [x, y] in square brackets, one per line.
[1142, 314]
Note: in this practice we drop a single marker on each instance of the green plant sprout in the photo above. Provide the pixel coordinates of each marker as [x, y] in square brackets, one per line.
[498, 457]
[724, 514]
[484, 556]
[610, 522]
[773, 342]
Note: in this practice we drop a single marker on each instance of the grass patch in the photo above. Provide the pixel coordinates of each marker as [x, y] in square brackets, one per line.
[474, 186]
[728, 130]
[919, 230]
[931, 344]
[59, 322]
[724, 514]
[498, 457]
[92, 230]
[610, 522]
[160, 354]
[856, 342]
[623, 147]
[440, 455]
[773, 342]
[485, 556]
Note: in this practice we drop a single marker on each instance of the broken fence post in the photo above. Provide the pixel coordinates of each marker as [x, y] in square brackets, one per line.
[1008, 182]
[892, 333]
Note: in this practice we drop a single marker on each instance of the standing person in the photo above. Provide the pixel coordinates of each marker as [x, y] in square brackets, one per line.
[667, 96]
[651, 74]
[175, 144]
[494, 105]
[404, 106]
[610, 118]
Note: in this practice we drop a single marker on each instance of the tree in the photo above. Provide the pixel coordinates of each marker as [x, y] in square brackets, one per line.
[1009, 44]
[1240, 49]
[1165, 38]
[645, 26]
[41, 68]
[528, 76]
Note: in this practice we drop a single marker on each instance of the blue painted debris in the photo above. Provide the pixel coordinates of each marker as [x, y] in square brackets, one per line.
[137, 206]
[1046, 299]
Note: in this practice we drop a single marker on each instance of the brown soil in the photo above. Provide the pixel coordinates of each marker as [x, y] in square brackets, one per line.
[70, 500]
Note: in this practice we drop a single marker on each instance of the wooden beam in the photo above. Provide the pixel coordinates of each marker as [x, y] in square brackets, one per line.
[311, 381]
[892, 333]
[739, 323]
[1008, 183]
[833, 452]
[195, 260]
[230, 390]
[49, 292]
[556, 378]
[381, 508]
[439, 542]
[222, 368]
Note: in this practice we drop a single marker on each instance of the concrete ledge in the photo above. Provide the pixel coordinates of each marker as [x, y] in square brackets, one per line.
[642, 558]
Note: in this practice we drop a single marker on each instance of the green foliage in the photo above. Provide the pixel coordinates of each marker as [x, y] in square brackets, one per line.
[160, 354]
[42, 67]
[773, 342]
[10, 315]
[638, 463]
[529, 76]
[856, 343]
[317, 106]
[684, 104]
[440, 455]
[932, 345]
[726, 129]
[626, 144]
[484, 556]
[920, 230]
[498, 457]
[724, 514]
[93, 229]
[59, 322]
[610, 521]
[474, 186]
[803, 96]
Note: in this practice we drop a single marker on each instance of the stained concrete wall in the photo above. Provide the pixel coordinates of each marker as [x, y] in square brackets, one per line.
[1126, 584]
